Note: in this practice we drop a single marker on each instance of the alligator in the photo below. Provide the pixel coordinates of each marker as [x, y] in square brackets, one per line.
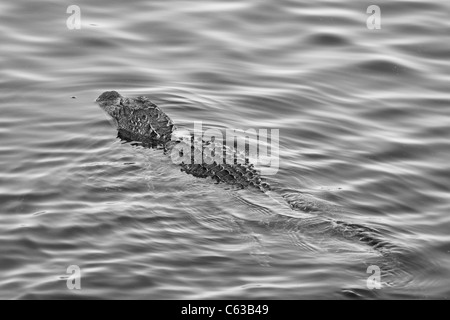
[139, 120]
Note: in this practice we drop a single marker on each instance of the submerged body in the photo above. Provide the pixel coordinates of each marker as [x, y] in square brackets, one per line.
[138, 119]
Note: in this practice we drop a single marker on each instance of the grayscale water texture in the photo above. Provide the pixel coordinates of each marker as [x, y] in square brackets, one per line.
[364, 120]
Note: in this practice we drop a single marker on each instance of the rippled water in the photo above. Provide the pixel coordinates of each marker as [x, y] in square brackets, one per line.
[364, 132]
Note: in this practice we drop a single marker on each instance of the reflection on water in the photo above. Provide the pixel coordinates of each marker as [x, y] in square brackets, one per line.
[363, 118]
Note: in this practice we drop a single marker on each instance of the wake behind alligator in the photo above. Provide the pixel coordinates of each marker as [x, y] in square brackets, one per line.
[139, 120]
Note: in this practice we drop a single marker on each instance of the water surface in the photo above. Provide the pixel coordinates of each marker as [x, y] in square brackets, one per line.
[364, 131]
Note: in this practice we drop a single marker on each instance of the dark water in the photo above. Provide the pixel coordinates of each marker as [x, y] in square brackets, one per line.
[364, 131]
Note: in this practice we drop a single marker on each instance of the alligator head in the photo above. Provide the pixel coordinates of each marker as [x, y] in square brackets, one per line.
[110, 101]
[137, 118]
